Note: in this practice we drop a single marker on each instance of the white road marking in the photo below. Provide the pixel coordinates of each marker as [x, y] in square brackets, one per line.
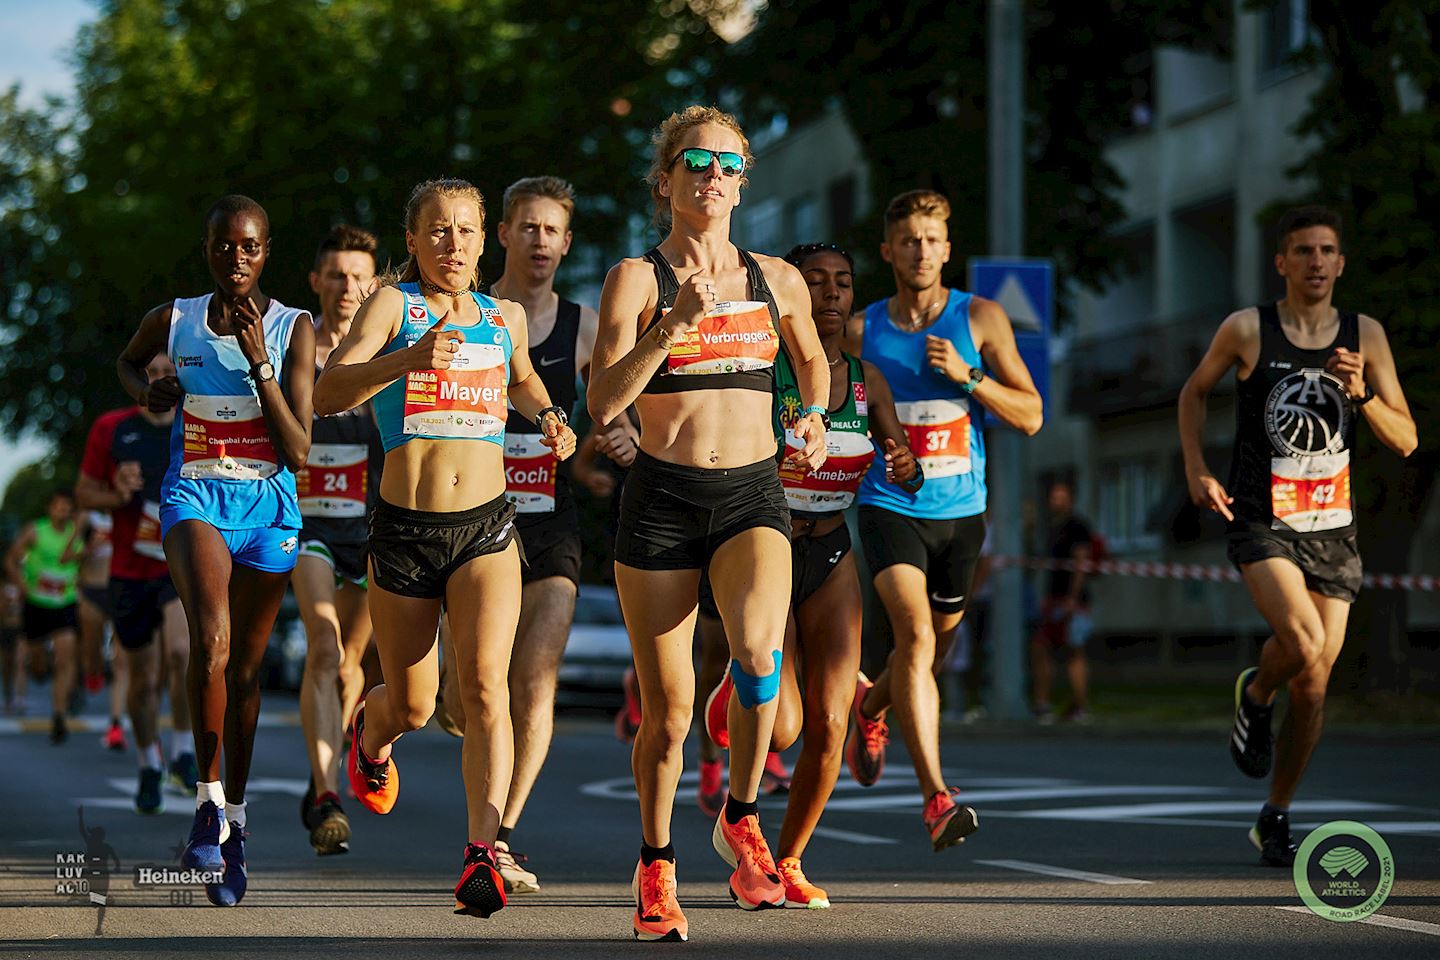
[1063, 872]
[1037, 793]
[1411, 827]
[1380, 920]
[850, 837]
[1137, 810]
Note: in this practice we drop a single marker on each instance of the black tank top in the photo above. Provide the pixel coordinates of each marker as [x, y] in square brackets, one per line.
[554, 360]
[341, 479]
[663, 381]
[1294, 430]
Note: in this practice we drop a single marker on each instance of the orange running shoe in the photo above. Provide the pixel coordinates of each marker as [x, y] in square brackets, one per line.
[755, 884]
[375, 785]
[949, 822]
[657, 911]
[480, 891]
[865, 747]
[627, 721]
[774, 778]
[717, 713]
[799, 892]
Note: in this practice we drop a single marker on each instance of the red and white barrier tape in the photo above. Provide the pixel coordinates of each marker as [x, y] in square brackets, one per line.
[1199, 571]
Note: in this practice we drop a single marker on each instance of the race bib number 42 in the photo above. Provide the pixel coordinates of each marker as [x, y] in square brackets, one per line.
[939, 435]
[529, 473]
[335, 480]
[468, 400]
[734, 336]
[1310, 494]
[226, 439]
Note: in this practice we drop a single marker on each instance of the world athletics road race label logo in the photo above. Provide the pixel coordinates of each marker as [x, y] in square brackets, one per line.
[1344, 871]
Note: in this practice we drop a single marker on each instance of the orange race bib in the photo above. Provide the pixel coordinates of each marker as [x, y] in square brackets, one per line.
[1310, 494]
[939, 435]
[335, 482]
[833, 486]
[468, 400]
[226, 439]
[147, 532]
[529, 473]
[733, 336]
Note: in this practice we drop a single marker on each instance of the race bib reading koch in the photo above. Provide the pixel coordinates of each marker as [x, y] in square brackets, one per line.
[529, 473]
[335, 481]
[226, 439]
[468, 400]
[732, 337]
[1311, 494]
[147, 532]
[939, 435]
[832, 487]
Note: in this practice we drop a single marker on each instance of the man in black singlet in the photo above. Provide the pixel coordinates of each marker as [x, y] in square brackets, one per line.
[1307, 372]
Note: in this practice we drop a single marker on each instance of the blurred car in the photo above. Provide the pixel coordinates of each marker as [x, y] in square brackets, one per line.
[597, 653]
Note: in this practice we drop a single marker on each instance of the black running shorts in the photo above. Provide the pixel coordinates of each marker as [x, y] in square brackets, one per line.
[39, 622]
[139, 607]
[1331, 567]
[675, 517]
[348, 561]
[552, 546]
[98, 596]
[813, 559]
[414, 552]
[946, 551]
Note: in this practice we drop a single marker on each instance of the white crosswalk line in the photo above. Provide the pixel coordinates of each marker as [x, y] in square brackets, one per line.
[1134, 810]
[865, 839]
[1074, 792]
[1380, 920]
[1063, 872]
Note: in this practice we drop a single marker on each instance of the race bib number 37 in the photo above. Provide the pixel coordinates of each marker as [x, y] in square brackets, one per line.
[226, 439]
[468, 400]
[334, 482]
[1310, 494]
[939, 435]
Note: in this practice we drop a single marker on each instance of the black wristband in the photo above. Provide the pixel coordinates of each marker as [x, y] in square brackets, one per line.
[559, 415]
[1369, 395]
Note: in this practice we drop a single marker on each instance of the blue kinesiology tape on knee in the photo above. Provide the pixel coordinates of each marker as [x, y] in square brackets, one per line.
[753, 691]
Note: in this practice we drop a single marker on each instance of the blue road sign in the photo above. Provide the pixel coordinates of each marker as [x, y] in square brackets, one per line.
[1026, 291]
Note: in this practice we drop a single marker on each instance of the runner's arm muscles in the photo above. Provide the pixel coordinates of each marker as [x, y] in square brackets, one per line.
[16, 554]
[585, 343]
[1387, 412]
[797, 327]
[354, 373]
[622, 363]
[77, 548]
[288, 410]
[95, 494]
[93, 487]
[1010, 394]
[152, 337]
[1226, 350]
[884, 421]
[527, 391]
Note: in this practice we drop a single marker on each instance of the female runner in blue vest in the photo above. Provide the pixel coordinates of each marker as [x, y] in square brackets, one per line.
[689, 334]
[440, 359]
[229, 518]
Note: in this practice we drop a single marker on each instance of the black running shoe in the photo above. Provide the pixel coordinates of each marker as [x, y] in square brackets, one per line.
[1250, 743]
[481, 890]
[59, 730]
[1271, 836]
[149, 798]
[307, 807]
[329, 827]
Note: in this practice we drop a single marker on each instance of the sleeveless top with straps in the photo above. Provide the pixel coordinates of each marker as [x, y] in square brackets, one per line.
[1294, 430]
[534, 480]
[941, 421]
[465, 402]
[223, 462]
[339, 484]
[49, 582]
[849, 449]
[734, 345]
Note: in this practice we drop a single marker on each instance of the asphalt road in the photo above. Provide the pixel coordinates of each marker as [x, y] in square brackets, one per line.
[1092, 844]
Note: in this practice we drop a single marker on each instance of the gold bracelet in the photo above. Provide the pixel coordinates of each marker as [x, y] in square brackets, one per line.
[663, 337]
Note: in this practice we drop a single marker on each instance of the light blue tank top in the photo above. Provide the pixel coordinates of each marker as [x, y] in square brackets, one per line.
[223, 463]
[941, 420]
[465, 402]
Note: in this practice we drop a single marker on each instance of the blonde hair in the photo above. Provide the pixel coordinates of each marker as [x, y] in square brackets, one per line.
[539, 188]
[916, 203]
[666, 140]
[409, 271]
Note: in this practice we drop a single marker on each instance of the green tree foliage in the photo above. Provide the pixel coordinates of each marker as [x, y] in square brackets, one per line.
[322, 111]
[912, 78]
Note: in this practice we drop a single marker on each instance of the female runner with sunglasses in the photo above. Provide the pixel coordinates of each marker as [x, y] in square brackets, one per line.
[822, 638]
[442, 528]
[689, 334]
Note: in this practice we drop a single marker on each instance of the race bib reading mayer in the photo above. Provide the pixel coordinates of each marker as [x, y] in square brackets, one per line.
[468, 400]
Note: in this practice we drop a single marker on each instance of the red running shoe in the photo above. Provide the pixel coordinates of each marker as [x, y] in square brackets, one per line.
[375, 785]
[480, 891]
[717, 713]
[627, 721]
[712, 787]
[865, 747]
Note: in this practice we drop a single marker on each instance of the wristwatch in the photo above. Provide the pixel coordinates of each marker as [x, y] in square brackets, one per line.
[816, 408]
[559, 415]
[1369, 395]
[262, 371]
[976, 375]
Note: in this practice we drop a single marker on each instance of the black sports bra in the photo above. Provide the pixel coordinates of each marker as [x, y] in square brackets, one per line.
[724, 371]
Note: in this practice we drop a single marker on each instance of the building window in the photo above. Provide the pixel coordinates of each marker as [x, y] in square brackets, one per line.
[804, 217]
[1284, 31]
[763, 223]
[1130, 490]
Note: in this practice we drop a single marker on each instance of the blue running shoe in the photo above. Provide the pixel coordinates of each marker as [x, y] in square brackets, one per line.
[231, 890]
[208, 833]
[149, 798]
[184, 773]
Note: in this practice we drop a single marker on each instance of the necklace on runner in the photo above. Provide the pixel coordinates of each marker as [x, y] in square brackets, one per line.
[915, 325]
[429, 287]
